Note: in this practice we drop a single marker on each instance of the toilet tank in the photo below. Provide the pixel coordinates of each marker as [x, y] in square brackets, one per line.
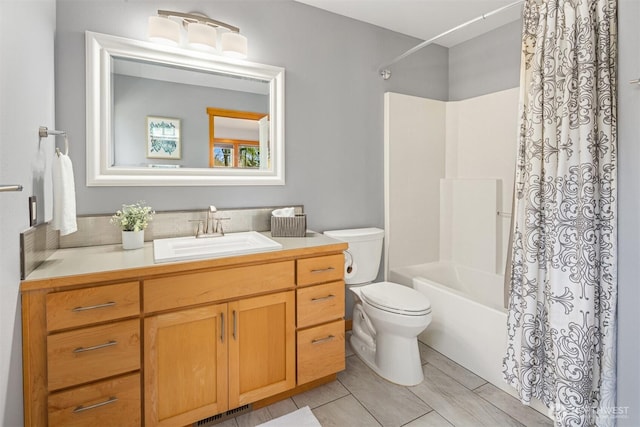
[364, 253]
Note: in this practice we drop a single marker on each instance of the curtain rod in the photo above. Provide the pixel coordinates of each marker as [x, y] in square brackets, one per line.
[384, 69]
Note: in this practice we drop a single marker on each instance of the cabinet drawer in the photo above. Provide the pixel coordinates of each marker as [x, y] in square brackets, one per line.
[108, 403]
[320, 351]
[320, 269]
[93, 353]
[92, 305]
[197, 288]
[320, 303]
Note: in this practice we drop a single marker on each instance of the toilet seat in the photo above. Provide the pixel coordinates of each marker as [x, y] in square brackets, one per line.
[395, 298]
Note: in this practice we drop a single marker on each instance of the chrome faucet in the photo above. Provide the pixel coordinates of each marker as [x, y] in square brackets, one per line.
[211, 226]
[210, 220]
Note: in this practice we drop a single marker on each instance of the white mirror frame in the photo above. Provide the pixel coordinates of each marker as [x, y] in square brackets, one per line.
[100, 51]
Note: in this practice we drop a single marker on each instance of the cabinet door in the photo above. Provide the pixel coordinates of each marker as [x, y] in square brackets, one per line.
[261, 347]
[185, 366]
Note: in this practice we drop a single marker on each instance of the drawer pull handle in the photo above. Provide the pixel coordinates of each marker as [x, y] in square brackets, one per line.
[330, 296]
[92, 307]
[95, 347]
[321, 340]
[234, 326]
[221, 327]
[322, 270]
[95, 405]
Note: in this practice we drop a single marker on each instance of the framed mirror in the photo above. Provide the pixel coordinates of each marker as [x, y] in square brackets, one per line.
[150, 120]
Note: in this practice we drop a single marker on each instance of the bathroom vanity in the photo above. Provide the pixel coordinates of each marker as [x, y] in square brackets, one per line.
[110, 338]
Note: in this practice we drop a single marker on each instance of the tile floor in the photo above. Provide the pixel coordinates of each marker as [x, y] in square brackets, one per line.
[450, 396]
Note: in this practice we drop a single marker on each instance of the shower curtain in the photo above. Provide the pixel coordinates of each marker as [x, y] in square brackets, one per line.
[563, 279]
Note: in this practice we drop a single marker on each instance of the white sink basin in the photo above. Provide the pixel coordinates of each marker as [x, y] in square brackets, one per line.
[188, 248]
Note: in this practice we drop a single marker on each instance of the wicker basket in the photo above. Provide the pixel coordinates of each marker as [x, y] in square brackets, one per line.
[289, 226]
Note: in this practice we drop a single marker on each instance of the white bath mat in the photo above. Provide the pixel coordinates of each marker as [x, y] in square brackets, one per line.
[303, 417]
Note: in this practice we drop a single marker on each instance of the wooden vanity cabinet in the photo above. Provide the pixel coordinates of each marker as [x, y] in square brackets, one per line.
[320, 317]
[204, 361]
[92, 352]
[186, 373]
[176, 343]
[114, 402]
[262, 347]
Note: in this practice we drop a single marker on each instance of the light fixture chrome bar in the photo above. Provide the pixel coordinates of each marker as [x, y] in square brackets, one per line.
[384, 69]
[635, 82]
[193, 17]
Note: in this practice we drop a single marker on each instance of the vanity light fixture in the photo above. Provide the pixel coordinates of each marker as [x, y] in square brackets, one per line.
[202, 32]
[164, 30]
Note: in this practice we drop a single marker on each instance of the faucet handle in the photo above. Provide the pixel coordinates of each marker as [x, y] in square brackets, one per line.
[217, 227]
[199, 227]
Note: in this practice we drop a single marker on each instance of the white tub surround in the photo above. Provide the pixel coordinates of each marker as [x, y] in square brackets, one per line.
[449, 172]
[469, 223]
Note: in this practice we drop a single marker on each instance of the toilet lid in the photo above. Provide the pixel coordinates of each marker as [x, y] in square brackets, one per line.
[396, 298]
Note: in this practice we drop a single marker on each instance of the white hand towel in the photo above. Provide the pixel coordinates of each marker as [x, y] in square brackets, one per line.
[64, 195]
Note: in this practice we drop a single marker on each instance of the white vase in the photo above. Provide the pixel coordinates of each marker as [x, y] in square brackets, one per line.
[132, 239]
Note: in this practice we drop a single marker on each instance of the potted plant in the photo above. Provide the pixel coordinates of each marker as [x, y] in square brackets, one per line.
[132, 220]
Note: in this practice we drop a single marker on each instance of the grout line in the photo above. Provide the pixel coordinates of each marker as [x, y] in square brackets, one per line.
[365, 408]
[454, 379]
[356, 399]
[476, 394]
[480, 386]
[513, 397]
[420, 416]
[453, 362]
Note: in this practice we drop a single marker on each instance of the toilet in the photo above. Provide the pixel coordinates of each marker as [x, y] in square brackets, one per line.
[387, 317]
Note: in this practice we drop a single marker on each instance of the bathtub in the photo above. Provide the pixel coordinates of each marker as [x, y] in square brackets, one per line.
[469, 323]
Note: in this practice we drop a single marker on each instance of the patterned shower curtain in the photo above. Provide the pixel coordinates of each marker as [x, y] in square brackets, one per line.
[563, 280]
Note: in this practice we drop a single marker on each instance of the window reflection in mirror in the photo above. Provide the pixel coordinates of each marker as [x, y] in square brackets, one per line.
[238, 139]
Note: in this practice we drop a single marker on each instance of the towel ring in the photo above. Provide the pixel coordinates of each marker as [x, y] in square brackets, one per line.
[44, 132]
[66, 146]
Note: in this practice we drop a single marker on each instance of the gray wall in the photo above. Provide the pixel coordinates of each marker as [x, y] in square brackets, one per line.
[333, 95]
[628, 208]
[486, 64]
[26, 102]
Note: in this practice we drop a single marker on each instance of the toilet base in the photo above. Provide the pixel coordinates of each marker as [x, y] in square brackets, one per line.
[400, 365]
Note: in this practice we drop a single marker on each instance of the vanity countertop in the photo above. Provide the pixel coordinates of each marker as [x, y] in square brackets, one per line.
[110, 262]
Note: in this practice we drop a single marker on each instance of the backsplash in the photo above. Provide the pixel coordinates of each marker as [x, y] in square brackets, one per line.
[39, 242]
[36, 245]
